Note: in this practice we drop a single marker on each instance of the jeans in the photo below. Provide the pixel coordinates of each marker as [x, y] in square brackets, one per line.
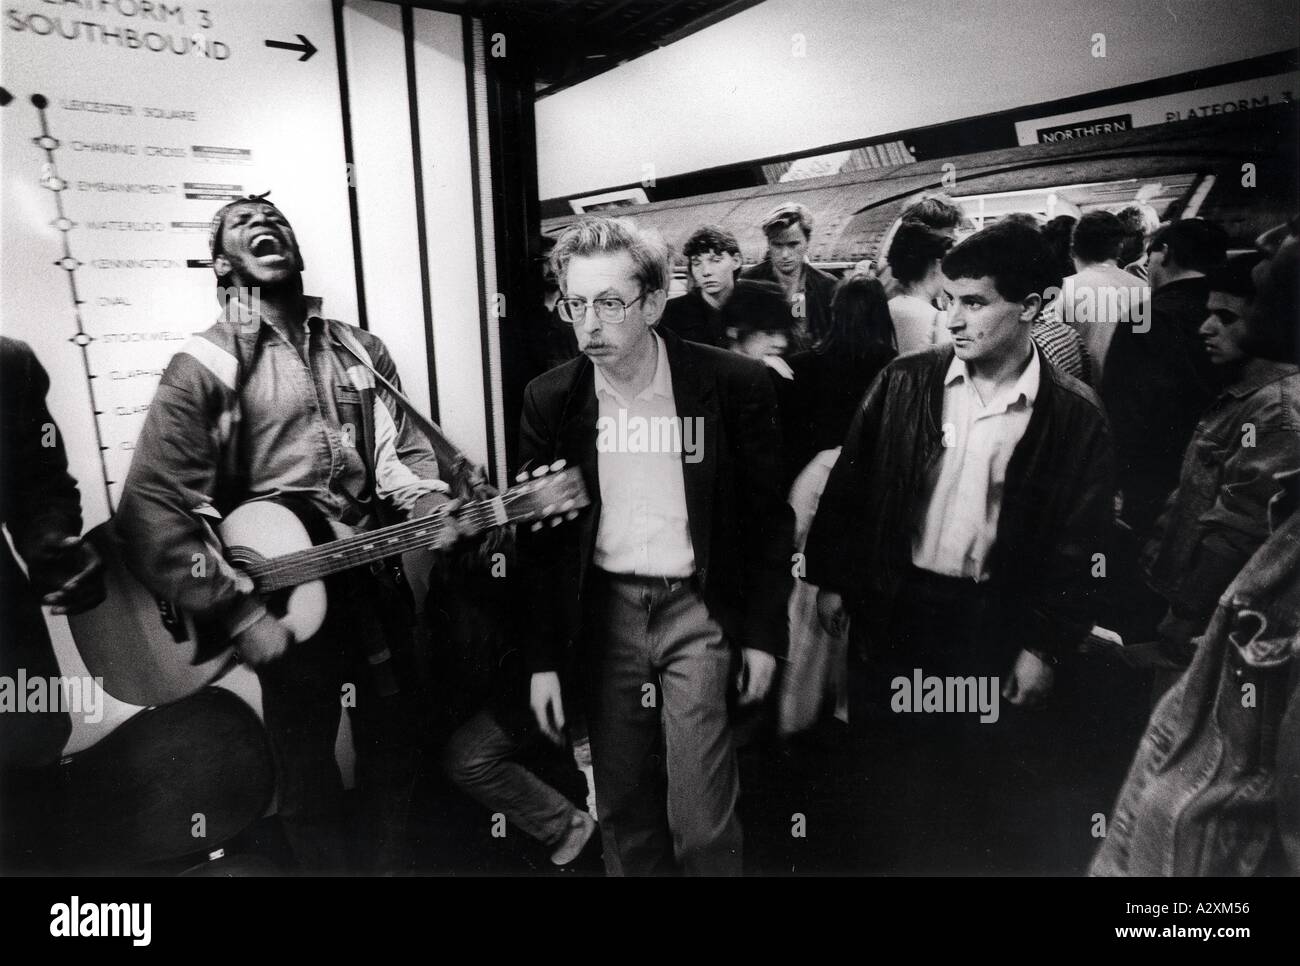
[477, 759]
[666, 773]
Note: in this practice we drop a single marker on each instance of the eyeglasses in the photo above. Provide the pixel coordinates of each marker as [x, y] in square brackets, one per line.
[611, 311]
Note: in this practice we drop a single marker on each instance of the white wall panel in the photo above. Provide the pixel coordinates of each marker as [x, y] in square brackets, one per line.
[384, 171]
[446, 164]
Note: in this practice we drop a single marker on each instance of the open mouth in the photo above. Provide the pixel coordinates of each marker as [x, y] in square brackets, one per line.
[266, 245]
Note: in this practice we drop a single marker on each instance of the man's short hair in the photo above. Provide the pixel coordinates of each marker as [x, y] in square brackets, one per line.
[1013, 255]
[1057, 234]
[1271, 330]
[1097, 237]
[1234, 276]
[1138, 218]
[936, 211]
[1140, 222]
[1194, 244]
[711, 239]
[1027, 218]
[913, 249]
[783, 216]
[608, 236]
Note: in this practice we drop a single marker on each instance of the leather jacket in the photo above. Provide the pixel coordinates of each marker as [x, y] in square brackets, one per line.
[1056, 504]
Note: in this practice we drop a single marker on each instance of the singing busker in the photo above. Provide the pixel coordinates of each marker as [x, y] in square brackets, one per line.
[275, 401]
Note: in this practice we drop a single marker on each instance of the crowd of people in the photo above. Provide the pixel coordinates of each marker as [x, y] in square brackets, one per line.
[959, 498]
[1038, 454]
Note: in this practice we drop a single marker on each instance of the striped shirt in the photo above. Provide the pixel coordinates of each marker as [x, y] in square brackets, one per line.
[1062, 346]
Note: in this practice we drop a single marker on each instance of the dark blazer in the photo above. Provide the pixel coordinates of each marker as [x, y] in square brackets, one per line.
[741, 526]
[818, 288]
[1155, 386]
[694, 319]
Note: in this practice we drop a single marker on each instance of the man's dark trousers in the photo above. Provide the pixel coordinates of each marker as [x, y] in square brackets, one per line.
[961, 795]
[303, 695]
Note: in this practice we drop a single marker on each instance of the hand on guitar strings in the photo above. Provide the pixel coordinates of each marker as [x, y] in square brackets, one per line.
[441, 505]
[473, 485]
[263, 641]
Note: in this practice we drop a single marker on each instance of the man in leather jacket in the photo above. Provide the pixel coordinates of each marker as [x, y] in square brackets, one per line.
[964, 528]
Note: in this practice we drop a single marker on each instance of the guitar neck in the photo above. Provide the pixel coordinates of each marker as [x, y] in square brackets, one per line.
[321, 561]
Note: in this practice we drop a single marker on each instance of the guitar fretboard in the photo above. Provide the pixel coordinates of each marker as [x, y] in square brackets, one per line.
[303, 566]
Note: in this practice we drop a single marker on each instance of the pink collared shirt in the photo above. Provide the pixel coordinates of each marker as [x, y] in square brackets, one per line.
[964, 493]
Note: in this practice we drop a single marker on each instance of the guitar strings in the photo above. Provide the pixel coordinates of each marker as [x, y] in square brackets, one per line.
[316, 562]
[359, 547]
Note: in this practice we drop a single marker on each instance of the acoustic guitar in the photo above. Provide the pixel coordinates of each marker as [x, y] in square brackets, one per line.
[149, 652]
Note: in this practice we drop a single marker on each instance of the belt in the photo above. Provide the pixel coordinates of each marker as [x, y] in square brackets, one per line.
[667, 584]
[918, 582]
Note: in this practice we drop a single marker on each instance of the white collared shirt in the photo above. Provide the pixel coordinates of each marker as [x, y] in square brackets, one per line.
[959, 522]
[644, 528]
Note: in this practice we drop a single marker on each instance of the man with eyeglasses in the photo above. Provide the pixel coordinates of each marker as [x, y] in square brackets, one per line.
[682, 561]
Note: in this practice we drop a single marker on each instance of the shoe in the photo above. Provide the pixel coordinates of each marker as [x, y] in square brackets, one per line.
[581, 826]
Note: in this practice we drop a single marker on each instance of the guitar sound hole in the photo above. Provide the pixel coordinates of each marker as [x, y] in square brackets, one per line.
[278, 602]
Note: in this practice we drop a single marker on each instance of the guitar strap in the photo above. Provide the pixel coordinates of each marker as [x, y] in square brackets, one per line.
[460, 468]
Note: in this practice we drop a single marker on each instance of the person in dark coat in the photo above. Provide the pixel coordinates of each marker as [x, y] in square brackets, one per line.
[675, 579]
[827, 383]
[1158, 380]
[41, 510]
[808, 290]
[713, 260]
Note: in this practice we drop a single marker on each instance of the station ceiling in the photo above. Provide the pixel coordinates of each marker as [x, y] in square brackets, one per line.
[572, 40]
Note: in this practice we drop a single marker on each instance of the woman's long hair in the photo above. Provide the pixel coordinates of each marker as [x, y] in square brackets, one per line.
[860, 322]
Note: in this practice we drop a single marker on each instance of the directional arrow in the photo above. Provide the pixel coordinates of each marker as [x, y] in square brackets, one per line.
[305, 45]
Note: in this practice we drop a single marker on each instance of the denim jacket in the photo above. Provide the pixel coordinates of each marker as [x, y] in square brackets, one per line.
[1216, 778]
[1216, 518]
